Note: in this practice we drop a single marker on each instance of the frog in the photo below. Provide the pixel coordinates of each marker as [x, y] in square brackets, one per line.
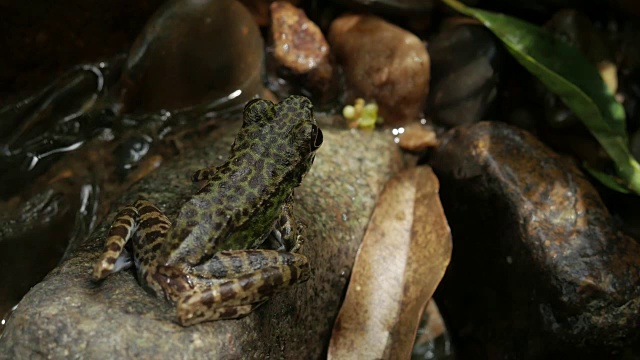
[235, 242]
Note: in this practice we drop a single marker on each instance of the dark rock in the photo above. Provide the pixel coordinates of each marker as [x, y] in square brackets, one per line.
[193, 52]
[466, 61]
[67, 314]
[393, 7]
[538, 269]
[38, 130]
[382, 63]
[260, 9]
[43, 40]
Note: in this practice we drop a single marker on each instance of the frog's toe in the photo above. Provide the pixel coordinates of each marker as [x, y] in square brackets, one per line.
[109, 263]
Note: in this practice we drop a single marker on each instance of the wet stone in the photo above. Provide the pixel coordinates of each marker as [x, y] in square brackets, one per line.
[538, 269]
[392, 7]
[378, 58]
[465, 61]
[300, 50]
[194, 52]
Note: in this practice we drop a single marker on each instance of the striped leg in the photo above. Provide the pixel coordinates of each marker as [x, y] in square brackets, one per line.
[149, 225]
[233, 283]
[114, 257]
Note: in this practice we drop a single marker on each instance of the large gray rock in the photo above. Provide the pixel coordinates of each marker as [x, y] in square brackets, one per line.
[68, 315]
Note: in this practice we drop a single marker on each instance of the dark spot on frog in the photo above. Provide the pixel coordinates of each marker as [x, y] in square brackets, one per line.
[151, 222]
[256, 260]
[192, 223]
[274, 280]
[258, 148]
[119, 230]
[226, 291]
[156, 247]
[205, 189]
[147, 209]
[190, 212]
[229, 312]
[236, 262]
[256, 181]
[153, 235]
[129, 212]
[207, 300]
[115, 247]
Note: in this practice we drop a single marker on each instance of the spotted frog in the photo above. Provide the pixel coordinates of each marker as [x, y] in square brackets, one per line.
[235, 242]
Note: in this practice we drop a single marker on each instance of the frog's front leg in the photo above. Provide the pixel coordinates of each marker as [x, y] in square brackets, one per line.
[286, 232]
[233, 283]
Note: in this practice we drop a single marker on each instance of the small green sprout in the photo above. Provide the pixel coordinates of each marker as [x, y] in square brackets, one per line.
[361, 115]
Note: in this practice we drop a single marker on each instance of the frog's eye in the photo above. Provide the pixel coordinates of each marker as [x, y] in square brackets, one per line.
[316, 137]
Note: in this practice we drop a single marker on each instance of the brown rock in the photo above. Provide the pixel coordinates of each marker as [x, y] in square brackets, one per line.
[417, 137]
[382, 62]
[260, 9]
[538, 270]
[466, 60]
[300, 47]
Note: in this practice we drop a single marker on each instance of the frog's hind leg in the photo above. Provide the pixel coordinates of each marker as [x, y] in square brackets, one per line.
[147, 223]
[233, 283]
[114, 256]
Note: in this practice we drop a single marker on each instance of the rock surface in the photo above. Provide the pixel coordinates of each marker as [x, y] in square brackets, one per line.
[538, 270]
[382, 63]
[466, 62]
[67, 314]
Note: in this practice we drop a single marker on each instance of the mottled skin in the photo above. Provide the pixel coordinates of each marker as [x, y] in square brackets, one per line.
[209, 261]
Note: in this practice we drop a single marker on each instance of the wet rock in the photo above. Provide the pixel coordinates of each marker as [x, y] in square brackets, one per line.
[394, 7]
[68, 314]
[382, 62]
[33, 237]
[417, 137]
[39, 129]
[538, 270]
[42, 40]
[194, 52]
[301, 53]
[432, 338]
[466, 60]
[260, 9]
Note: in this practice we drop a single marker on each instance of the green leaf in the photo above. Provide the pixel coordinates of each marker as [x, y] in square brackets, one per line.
[568, 74]
[606, 179]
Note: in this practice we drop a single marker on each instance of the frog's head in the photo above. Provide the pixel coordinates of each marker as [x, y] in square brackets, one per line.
[289, 131]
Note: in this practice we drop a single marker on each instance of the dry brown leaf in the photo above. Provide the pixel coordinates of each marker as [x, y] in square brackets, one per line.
[404, 254]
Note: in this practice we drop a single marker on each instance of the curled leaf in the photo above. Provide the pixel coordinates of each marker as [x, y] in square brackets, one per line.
[402, 258]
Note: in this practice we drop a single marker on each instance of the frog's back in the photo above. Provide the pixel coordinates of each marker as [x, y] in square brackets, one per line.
[238, 206]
